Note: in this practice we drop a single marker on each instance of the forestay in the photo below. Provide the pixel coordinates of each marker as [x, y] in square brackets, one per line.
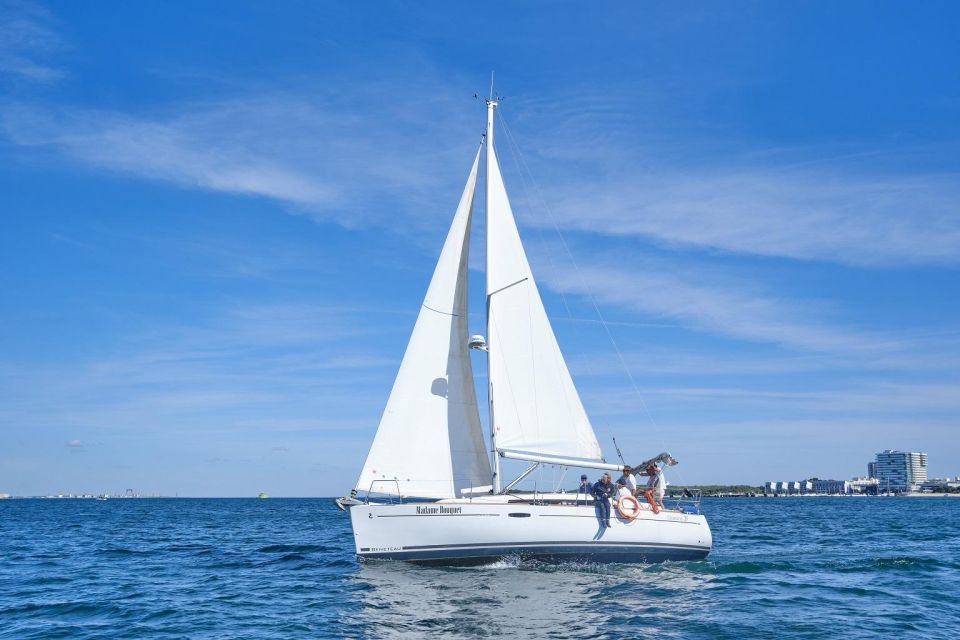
[429, 439]
[534, 405]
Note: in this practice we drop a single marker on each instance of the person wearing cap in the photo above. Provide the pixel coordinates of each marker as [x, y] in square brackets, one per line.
[584, 488]
[602, 491]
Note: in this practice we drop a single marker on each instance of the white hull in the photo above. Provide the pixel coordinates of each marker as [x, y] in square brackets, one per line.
[477, 531]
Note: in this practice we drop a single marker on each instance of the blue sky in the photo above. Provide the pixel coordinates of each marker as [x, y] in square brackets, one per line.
[219, 221]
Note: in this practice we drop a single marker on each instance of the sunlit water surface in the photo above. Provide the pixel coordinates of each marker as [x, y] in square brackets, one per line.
[791, 567]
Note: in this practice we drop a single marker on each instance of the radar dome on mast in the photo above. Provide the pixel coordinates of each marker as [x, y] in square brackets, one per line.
[478, 342]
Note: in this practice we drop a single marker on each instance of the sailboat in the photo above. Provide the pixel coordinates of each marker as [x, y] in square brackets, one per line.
[430, 490]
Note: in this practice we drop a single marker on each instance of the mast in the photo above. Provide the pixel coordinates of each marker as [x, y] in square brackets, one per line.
[491, 105]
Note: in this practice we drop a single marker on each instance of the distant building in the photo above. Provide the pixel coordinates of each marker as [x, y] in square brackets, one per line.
[871, 469]
[830, 486]
[779, 488]
[940, 484]
[864, 485]
[815, 485]
[901, 470]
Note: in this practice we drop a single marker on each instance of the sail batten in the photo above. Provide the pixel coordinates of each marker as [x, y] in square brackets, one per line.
[534, 405]
[429, 442]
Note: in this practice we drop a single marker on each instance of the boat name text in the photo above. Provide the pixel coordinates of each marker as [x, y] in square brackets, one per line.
[437, 510]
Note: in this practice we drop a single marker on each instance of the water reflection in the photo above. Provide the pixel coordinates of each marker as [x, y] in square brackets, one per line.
[529, 600]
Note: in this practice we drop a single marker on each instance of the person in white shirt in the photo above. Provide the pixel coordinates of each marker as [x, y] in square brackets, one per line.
[628, 480]
[656, 482]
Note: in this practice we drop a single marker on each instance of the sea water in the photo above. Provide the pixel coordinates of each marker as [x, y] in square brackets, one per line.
[233, 568]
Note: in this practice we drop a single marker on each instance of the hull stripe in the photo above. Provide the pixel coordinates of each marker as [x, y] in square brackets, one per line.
[656, 520]
[481, 545]
[589, 552]
[497, 515]
[437, 515]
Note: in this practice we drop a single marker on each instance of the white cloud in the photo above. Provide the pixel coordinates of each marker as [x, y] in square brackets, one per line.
[879, 398]
[839, 401]
[380, 159]
[832, 215]
[903, 353]
[790, 447]
[611, 164]
[27, 40]
[699, 301]
[261, 368]
[333, 161]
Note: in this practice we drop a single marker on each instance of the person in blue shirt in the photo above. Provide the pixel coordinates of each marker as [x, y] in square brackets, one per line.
[602, 491]
[585, 489]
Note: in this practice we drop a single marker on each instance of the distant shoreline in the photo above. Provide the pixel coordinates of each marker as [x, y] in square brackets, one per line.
[828, 495]
[669, 497]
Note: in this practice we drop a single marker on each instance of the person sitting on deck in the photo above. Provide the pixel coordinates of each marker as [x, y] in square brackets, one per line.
[602, 491]
[628, 479]
[585, 488]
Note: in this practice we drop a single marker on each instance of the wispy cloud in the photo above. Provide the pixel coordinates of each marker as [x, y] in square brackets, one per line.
[789, 447]
[28, 40]
[684, 364]
[609, 164]
[336, 162]
[857, 399]
[263, 368]
[698, 299]
[802, 214]
[377, 157]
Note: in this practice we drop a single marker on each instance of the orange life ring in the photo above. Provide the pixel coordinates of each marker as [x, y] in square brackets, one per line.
[632, 515]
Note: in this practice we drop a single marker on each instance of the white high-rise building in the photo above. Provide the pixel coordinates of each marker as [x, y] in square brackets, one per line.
[901, 470]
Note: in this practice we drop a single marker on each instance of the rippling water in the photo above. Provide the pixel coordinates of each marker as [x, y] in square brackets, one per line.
[799, 568]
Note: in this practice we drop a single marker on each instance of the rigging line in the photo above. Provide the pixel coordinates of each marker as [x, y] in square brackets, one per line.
[493, 293]
[444, 313]
[528, 186]
[527, 190]
[543, 202]
[543, 241]
[655, 325]
[576, 266]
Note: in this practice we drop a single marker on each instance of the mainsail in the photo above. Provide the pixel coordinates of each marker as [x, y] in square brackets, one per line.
[534, 406]
[429, 443]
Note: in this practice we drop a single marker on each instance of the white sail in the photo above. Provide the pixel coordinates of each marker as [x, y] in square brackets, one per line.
[429, 439]
[534, 406]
